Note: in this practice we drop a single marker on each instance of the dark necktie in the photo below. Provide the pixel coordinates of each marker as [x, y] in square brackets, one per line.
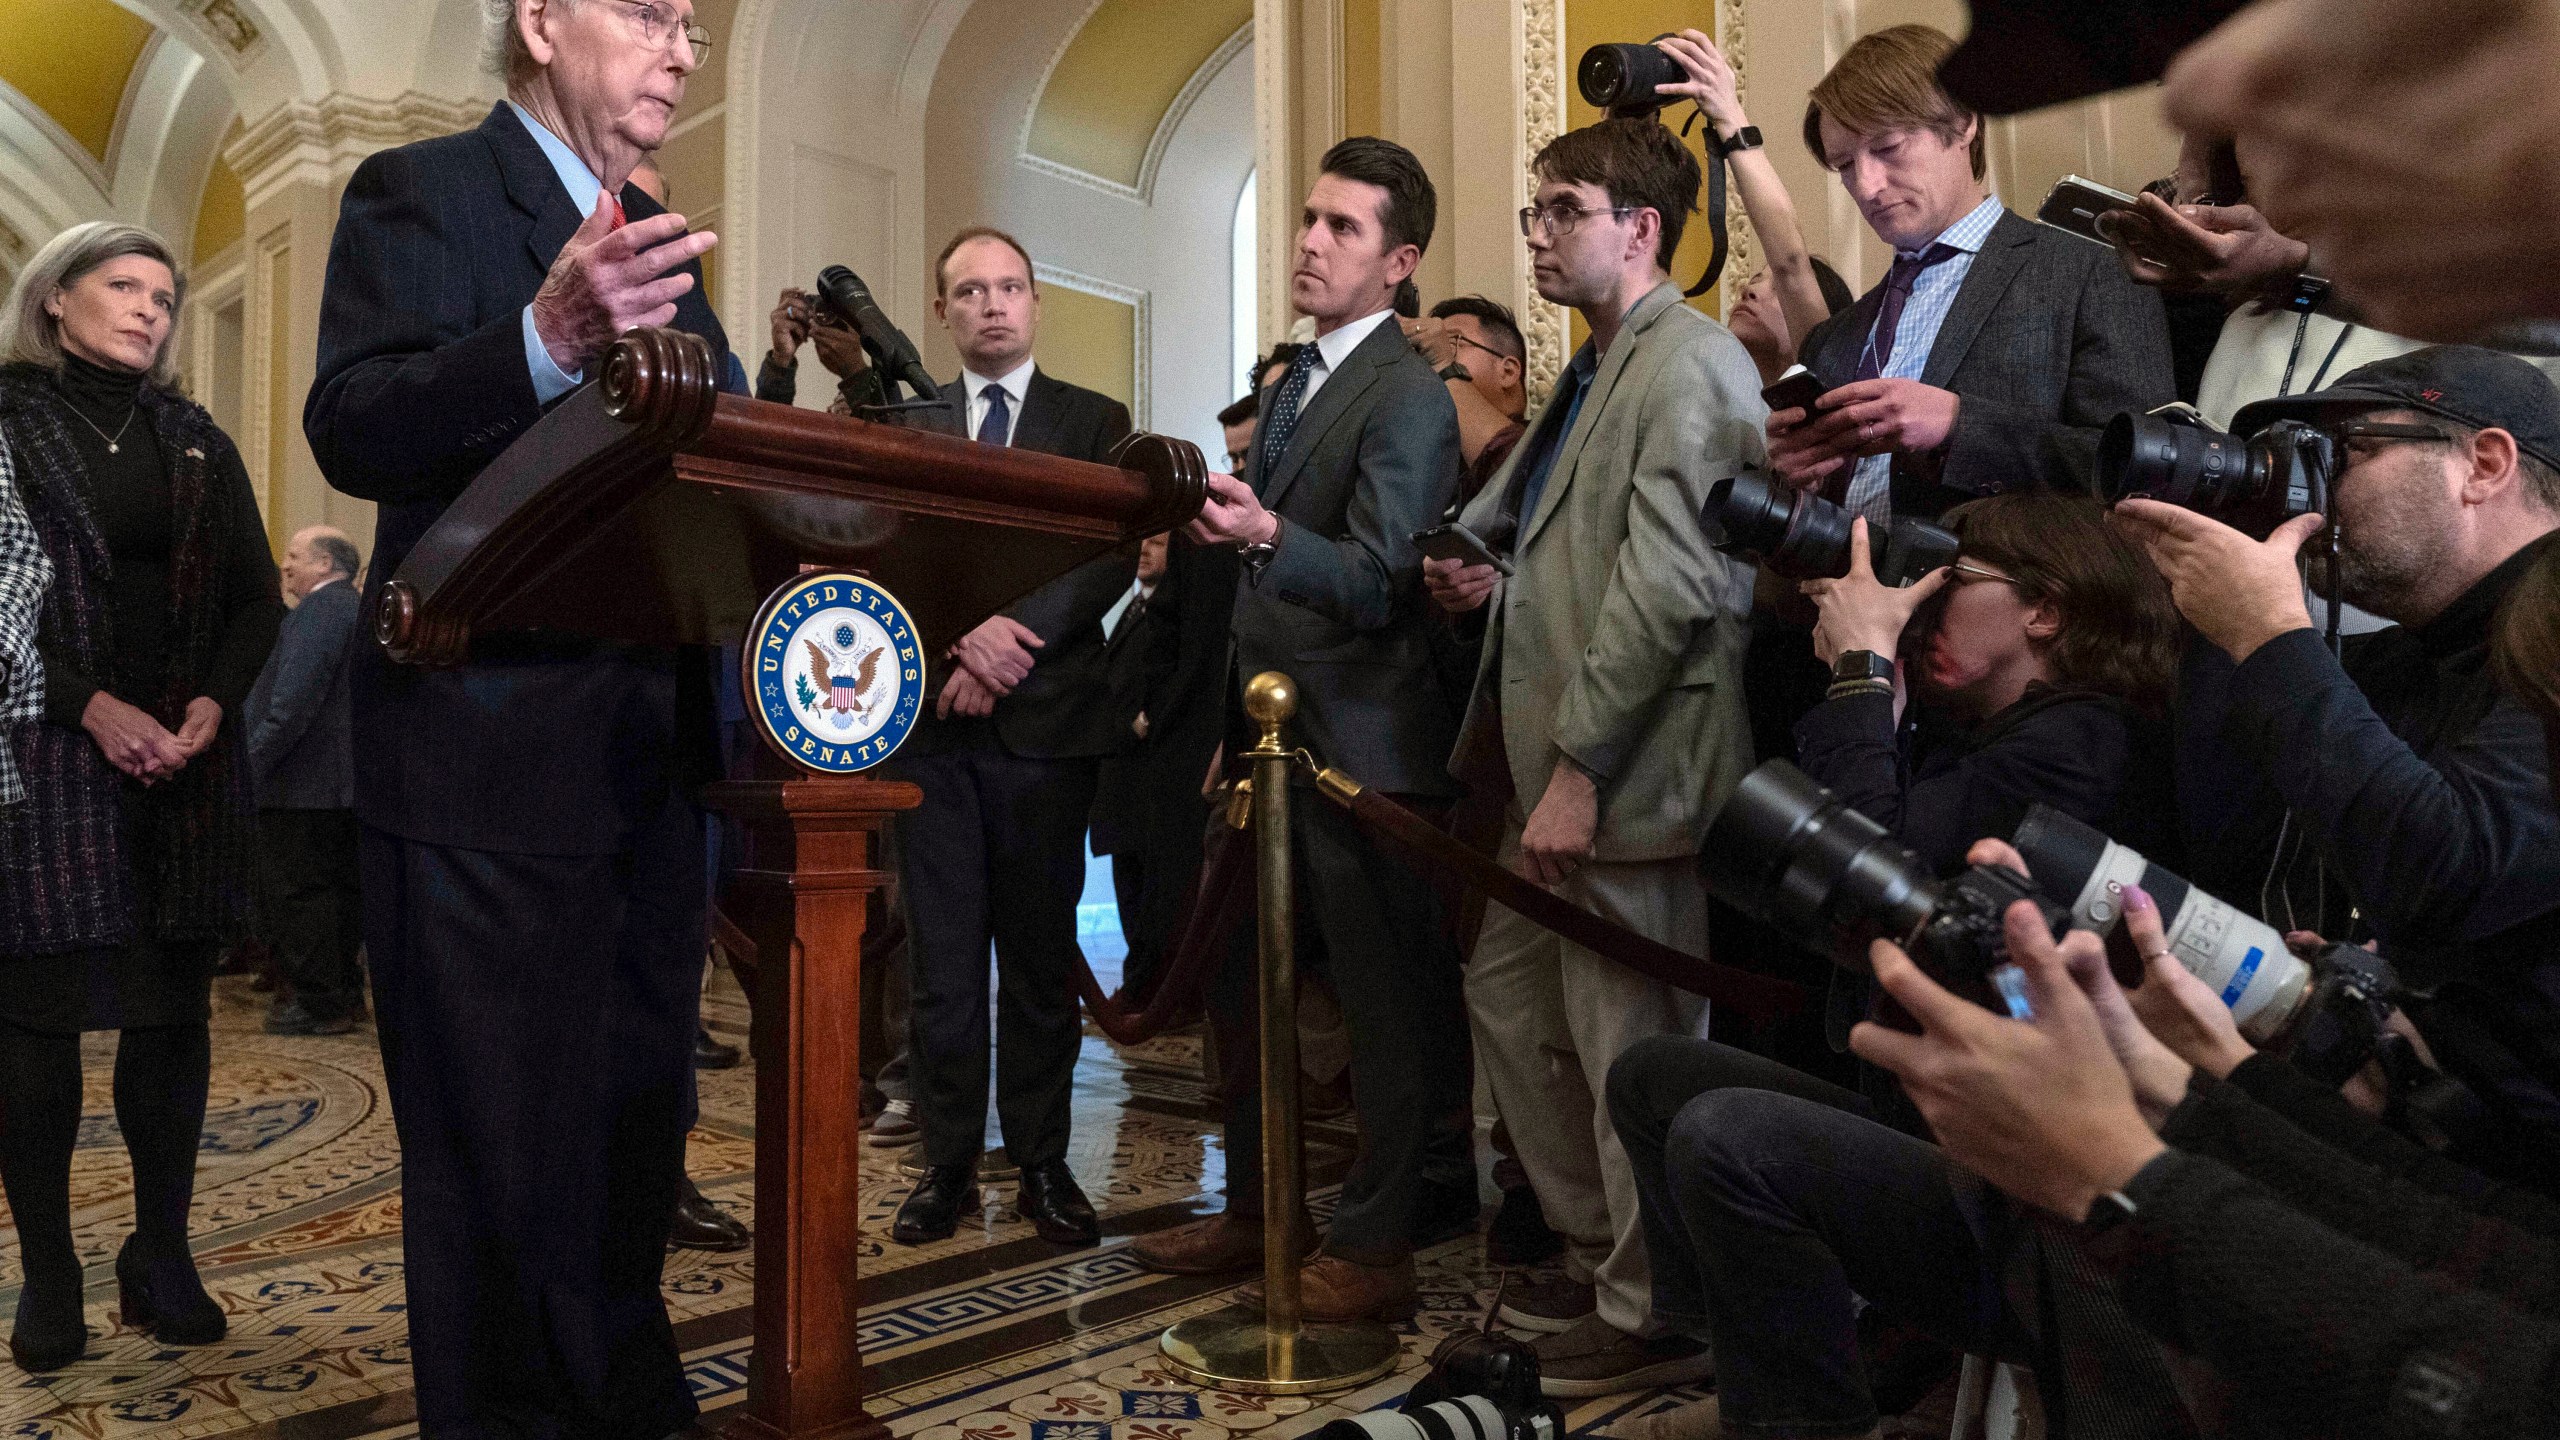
[1282, 421]
[1897, 294]
[997, 428]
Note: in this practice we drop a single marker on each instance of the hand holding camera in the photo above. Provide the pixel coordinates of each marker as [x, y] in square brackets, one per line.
[2238, 592]
[1710, 84]
[1859, 611]
[790, 324]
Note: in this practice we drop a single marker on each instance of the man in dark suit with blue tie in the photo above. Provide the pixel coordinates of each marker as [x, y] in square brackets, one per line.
[1008, 765]
[532, 862]
[1357, 449]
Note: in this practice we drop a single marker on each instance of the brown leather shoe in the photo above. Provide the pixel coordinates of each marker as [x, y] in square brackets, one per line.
[1332, 1288]
[1223, 1243]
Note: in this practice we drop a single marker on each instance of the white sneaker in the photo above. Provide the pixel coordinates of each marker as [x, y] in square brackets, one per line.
[896, 1128]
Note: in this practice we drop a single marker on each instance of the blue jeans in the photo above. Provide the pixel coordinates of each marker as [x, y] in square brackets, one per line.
[1770, 1201]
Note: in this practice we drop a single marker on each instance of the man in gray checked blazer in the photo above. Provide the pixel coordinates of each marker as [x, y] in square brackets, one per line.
[1356, 450]
[1995, 350]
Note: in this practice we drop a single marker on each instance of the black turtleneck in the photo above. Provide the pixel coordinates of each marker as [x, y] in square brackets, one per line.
[128, 491]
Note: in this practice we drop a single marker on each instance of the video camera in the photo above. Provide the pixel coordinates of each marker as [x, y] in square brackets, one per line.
[1805, 537]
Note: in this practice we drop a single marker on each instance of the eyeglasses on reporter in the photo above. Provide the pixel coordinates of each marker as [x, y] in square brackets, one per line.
[1562, 219]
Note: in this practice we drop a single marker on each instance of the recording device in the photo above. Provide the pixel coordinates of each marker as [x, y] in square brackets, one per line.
[890, 348]
[1622, 80]
[1790, 853]
[1482, 1385]
[2253, 485]
[1795, 390]
[1805, 537]
[1454, 541]
[2075, 204]
[2325, 1015]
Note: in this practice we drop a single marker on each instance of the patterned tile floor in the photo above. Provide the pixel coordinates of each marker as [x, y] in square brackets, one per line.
[992, 1335]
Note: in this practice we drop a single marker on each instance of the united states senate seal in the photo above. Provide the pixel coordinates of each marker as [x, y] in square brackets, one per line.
[835, 673]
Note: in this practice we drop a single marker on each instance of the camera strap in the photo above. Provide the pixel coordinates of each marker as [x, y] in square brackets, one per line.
[1715, 210]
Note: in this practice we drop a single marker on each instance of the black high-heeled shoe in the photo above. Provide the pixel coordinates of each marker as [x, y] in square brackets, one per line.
[50, 1331]
[165, 1298]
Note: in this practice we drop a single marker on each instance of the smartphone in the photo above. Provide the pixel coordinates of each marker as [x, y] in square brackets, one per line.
[1795, 390]
[1454, 541]
[2076, 203]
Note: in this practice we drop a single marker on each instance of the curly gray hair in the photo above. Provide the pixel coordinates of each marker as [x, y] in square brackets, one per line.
[29, 333]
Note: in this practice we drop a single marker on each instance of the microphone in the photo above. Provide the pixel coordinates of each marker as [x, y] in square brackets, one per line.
[845, 293]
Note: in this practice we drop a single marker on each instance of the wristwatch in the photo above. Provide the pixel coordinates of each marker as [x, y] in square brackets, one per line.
[1857, 665]
[1746, 138]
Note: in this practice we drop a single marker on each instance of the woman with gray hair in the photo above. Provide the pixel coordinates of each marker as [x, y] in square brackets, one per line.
[127, 867]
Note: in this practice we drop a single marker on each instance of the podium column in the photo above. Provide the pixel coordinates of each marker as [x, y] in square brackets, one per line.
[799, 897]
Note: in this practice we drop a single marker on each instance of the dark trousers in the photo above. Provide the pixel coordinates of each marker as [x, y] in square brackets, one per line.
[995, 854]
[315, 905]
[1372, 925]
[537, 1017]
[1770, 1201]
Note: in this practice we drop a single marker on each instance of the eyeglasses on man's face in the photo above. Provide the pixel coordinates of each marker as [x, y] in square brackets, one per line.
[1561, 217]
[657, 25]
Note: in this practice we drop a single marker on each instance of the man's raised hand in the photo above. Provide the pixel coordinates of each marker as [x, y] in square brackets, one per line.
[608, 280]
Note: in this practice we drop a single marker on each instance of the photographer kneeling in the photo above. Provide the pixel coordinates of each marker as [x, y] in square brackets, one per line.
[2401, 771]
[1769, 1197]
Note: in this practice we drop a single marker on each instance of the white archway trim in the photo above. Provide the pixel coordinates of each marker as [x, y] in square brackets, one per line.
[48, 181]
[167, 136]
[1144, 192]
[1141, 305]
[320, 143]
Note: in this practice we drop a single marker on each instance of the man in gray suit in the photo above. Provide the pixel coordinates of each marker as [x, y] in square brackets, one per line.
[302, 766]
[1609, 706]
[1995, 351]
[1357, 449]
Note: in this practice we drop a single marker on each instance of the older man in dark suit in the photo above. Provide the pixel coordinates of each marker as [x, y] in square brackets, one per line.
[301, 763]
[1995, 351]
[532, 862]
[1357, 449]
[1008, 765]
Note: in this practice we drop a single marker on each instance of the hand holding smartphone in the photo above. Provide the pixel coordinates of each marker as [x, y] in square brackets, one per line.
[1795, 390]
[1454, 541]
[2077, 202]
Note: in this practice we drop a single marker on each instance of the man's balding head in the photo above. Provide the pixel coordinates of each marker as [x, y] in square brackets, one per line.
[317, 555]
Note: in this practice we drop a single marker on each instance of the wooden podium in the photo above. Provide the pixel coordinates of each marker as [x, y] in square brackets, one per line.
[649, 507]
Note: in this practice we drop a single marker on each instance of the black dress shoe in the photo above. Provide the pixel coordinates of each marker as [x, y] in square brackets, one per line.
[700, 1225]
[164, 1297]
[1520, 1234]
[1445, 1212]
[710, 1054]
[50, 1331]
[931, 1211]
[1051, 1200]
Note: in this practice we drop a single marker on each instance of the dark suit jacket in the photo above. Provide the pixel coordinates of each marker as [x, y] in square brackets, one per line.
[1063, 708]
[540, 743]
[301, 756]
[2047, 342]
[1340, 608]
[1170, 663]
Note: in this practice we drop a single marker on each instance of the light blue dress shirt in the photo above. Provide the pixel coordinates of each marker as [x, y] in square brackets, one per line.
[1932, 296]
[550, 382]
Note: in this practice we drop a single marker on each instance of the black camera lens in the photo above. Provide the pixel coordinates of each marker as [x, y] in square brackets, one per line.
[2186, 465]
[1623, 78]
[1787, 850]
[1803, 537]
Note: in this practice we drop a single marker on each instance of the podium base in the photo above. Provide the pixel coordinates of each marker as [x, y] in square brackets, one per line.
[1234, 1349]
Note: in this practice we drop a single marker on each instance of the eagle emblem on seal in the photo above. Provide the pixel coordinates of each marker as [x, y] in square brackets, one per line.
[841, 680]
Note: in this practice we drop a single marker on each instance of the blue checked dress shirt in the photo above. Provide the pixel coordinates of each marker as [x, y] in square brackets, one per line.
[1933, 294]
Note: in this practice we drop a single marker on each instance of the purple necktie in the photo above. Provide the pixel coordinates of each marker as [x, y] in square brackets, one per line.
[1897, 293]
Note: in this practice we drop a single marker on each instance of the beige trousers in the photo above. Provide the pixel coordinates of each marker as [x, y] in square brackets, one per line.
[1549, 1019]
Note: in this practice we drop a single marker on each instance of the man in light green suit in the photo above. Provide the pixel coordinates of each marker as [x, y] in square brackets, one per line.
[1609, 701]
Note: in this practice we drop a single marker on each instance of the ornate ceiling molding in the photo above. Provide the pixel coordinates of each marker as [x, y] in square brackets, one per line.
[322, 141]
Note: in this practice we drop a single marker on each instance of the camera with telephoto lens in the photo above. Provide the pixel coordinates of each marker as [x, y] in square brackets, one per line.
[1805, 537]
[1481, 1386]
[2325, 1015]
[1622, 79]
[2252, 485]
[1790, 853]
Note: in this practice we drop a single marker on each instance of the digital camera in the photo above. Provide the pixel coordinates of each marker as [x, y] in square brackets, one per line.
[1805, 537]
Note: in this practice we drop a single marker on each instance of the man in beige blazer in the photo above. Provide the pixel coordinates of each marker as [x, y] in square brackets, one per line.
[1609, 701]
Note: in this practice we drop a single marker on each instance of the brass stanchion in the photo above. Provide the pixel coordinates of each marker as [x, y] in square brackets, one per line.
[1274, 1351]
